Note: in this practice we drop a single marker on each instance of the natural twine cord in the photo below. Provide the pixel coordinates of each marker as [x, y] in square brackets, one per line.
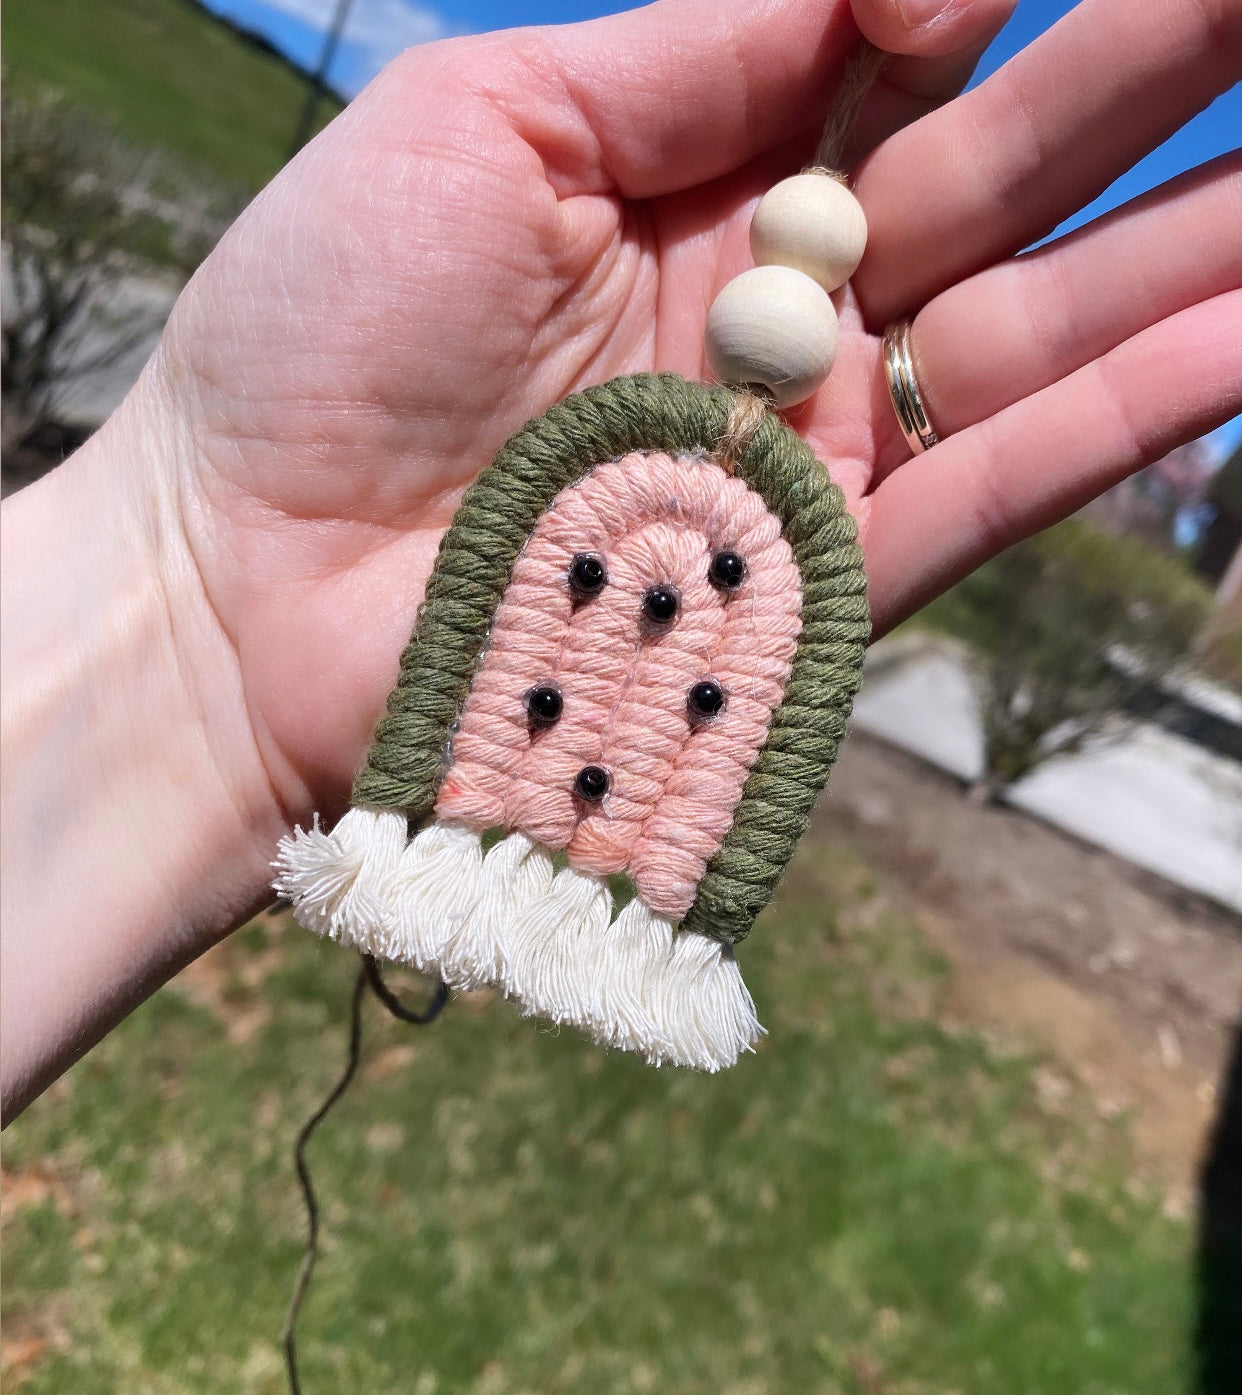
[750, 404]
[860, 73]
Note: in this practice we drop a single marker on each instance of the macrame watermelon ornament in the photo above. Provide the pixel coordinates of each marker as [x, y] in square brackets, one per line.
[627, 685]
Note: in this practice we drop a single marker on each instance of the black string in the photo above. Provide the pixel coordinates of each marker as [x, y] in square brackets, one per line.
[368, 976]
[395, 1005]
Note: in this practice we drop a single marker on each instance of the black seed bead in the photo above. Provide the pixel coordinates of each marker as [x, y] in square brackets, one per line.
[587, 574]
[544, 704]
[660, 604]
[705, 699]
[591, 782]
[727, 571]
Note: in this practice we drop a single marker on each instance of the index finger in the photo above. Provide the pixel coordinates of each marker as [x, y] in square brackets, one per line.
[674, 95]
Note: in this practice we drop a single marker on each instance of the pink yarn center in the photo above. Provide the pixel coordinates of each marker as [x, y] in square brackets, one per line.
[675, 781]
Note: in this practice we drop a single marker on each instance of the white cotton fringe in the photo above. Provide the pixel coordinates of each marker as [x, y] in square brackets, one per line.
[507, 919]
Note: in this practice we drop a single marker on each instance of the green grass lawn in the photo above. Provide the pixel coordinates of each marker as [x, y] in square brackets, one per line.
[166, 75]
[872, 1205]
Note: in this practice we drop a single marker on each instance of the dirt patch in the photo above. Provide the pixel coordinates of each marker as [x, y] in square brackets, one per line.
[32, 1187]
[29, 1337]
[1134, 984]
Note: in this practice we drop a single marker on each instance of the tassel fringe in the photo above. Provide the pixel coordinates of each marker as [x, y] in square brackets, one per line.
[507, 919]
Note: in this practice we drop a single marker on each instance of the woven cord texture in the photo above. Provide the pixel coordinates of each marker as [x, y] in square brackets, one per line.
[498, 513]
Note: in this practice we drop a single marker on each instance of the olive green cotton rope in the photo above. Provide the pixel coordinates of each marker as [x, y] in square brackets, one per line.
[647, 412]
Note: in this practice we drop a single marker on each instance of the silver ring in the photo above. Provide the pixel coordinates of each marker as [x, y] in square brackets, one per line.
[903, 389]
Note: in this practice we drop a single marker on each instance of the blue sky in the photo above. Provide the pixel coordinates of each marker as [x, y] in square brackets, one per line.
[378, 29]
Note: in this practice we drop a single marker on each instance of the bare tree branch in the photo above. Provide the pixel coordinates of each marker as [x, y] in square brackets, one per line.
[86, 219]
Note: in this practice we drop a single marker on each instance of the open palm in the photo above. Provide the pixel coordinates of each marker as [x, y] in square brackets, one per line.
[497, 222]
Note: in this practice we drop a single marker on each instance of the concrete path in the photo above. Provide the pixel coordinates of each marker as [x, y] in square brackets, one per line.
[93, 397]
[1149, 796]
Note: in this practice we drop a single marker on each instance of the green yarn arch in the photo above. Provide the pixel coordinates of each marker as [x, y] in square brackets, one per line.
[646, 412]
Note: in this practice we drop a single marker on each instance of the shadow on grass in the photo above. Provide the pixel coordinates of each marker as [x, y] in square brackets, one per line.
[1218, 1327]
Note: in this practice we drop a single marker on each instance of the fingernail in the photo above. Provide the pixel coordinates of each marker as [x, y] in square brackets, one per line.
[917, 13]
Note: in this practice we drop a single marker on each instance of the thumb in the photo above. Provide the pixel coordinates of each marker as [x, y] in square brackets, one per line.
[936, 45]
[931, 28]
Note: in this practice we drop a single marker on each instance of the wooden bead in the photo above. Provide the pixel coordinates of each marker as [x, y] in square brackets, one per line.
[776, 327]
[811, 222]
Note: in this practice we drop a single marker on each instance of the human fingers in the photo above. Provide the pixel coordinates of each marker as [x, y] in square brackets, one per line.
[934, 47]
[1018, 327]
[999, 167]
[1037, 461]
[665, 98]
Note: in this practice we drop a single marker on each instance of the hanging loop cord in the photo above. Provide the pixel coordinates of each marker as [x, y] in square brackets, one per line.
[368, 977]
[860, 73]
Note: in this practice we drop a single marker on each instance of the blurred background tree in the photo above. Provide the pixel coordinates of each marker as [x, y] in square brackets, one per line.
[1221, 649]
[1066, 631]
[133, 132]
[1161, 503]
[86, 215]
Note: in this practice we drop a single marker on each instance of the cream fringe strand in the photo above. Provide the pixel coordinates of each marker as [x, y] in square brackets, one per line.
[507, 919]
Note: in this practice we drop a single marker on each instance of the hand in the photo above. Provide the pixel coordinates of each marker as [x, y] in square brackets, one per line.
[498, 221]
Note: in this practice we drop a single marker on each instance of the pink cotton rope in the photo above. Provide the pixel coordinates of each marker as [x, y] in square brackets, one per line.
[655, 519]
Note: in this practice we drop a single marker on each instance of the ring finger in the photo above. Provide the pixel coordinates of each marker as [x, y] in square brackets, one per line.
[1020, 326]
